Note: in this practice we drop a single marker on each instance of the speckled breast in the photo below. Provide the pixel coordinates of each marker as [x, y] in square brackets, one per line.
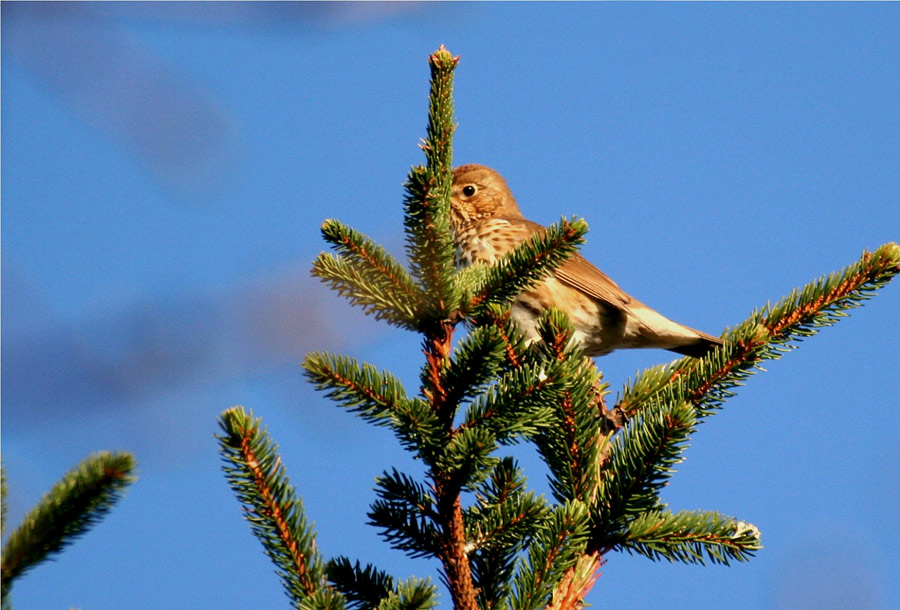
[485, 241]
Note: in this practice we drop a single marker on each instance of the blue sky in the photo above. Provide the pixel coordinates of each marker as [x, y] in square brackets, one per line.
[165, 171]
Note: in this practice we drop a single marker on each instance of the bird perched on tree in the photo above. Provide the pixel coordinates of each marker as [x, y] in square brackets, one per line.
[487, 223]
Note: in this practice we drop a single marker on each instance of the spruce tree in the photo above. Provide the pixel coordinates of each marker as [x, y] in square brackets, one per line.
[483, 387]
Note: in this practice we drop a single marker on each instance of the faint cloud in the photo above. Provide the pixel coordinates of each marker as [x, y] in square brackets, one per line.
[266, 14]
[54, 371]
[835, 571]
[119, 87]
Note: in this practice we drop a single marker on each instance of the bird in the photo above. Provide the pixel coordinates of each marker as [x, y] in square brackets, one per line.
[486, 223]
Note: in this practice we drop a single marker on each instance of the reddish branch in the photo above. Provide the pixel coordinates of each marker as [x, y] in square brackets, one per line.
[388, 273]
[514, 360]
[569, 426]
[748, 351]
[840, 291]
[453, 550]
[361, 389]
[275, 512]
[437, 351]
[453, 554]
[569, 594]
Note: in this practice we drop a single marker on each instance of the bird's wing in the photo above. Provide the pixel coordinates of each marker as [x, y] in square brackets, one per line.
[578, 273]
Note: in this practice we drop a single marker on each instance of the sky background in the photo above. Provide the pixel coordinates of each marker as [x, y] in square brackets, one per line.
[165, 170]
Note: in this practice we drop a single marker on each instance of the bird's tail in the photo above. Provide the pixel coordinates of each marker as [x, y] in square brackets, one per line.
[701, 347]
[656, 330]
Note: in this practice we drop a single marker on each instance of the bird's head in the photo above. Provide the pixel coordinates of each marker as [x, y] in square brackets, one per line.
[479, 193]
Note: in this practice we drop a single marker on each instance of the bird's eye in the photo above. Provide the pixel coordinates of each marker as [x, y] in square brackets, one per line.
[468, 190]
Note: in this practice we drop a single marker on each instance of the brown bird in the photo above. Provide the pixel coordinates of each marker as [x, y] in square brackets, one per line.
[487, 223]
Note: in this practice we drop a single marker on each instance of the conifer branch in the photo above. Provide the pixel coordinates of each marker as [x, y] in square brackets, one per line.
[467, 460]
[707, 382]
[454, 551]
[367, 289]
[515, 346]
[427, 203]
[273, 508]
[691, 537]
[477, 359]
[437, 347]
[323, 599]
[362, 588]
[498, 526]
[73, 505]
[407, 515]
[554, 549]
[504, 523]
[411, 594]
[431, 251]
[366, 254]
[357, 386]
[370, 589]
[364, 272]
[641, 460]
[377, 397]
[570, 445]
[497, 532]
[518, 404]
[571, 452]
[569, 594]
[492, 569]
